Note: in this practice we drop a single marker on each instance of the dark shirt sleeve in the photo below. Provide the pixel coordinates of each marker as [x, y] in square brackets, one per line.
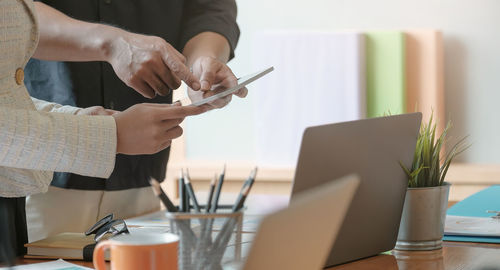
[217, 16]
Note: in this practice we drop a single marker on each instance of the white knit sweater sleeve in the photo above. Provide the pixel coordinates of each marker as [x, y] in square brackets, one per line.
[52, 141]
[45, 106]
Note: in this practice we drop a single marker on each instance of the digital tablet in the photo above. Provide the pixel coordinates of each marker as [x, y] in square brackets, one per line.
[242, 82]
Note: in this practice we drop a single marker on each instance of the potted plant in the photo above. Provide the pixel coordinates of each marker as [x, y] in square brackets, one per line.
[424, 211]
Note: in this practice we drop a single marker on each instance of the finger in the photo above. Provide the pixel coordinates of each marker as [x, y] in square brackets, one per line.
[173, 133]
[166, 76]
[111, 112]
[145, 90]
[205, 107]
[208, 75]
[158, 85]
[164, 145]
[243, 92]
[180, 70]
[168, 124]
[177, 54]
[227, 79]
[172, 112]
[221, 102]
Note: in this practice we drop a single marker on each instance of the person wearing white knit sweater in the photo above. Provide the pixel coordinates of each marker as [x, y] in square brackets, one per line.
[37, 137]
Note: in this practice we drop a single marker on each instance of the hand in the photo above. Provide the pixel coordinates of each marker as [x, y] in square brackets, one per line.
[96, 110]
[216, 76]
[149, 65]
[149, 128]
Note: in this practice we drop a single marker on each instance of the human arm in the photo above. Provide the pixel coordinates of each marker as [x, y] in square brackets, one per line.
[210, 34]
[57, 142]
[45, 106]
[146, 63]
[84, 144]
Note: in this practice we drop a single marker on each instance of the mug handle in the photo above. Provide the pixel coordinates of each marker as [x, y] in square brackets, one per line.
[98, 257]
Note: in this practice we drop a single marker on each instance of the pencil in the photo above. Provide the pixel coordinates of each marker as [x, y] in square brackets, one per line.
[182, 193]
[250, 180]
[190, 191]
[163, 197]
[211, 193]
[241, 199]
[215, 201]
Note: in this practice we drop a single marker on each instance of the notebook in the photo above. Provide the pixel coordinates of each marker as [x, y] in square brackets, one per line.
[71, 246]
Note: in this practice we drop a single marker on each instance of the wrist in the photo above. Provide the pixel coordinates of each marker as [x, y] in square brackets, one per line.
[111, 42]
[207, 44]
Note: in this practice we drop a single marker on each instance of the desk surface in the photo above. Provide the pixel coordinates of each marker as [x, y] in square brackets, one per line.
[452, 256]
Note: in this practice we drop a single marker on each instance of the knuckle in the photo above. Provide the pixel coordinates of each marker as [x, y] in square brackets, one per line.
[232, 80]
[149, 61]
[158, 41]
[178, 131]
[168, 143]
[176, 84]
[179, 121]
[134, 79]
[175, 67]
[209, 74]
[182, 58]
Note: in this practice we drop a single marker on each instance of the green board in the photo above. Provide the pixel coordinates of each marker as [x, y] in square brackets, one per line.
[385, 73]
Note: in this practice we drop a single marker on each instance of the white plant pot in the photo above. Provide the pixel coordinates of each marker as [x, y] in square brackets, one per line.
[422, 221]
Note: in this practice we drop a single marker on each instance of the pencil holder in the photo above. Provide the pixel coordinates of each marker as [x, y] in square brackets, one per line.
[207, 240]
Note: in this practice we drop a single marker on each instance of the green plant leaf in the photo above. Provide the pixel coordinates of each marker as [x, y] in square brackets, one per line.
[428, 167]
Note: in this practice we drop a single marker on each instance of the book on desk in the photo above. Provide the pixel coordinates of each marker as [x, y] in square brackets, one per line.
[70, 246]
[471, 220]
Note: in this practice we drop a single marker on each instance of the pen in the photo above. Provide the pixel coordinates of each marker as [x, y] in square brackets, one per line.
[163, 197]
[190, 191]
[215, 201]
[182, 204]
[211, 194]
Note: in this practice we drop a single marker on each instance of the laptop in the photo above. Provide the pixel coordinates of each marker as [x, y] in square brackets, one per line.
[373, 149]
[300, 236]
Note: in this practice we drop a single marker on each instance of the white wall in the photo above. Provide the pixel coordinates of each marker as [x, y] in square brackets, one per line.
[472, 64]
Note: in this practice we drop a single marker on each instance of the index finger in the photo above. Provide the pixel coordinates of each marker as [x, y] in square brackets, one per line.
[172, 112]
[179, 69]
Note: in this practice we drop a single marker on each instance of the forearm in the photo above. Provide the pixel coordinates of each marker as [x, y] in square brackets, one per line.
[45, 106]
[84, 145]
[65, 39]
[207, 44]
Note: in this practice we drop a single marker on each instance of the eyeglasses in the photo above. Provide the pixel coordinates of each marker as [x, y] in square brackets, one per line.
[107, 225]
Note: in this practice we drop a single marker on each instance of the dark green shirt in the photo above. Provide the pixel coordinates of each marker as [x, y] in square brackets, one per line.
[95, 83]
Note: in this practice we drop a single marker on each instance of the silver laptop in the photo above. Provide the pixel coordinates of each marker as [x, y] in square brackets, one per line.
[373, 149]
[300, 236]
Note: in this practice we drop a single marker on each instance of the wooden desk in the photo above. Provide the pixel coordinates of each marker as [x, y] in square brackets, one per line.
[454, 255]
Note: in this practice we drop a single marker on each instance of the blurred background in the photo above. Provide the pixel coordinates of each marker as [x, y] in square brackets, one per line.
[342, 60]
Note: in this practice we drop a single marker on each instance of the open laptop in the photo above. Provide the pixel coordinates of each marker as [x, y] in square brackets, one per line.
[300, 236]
[373, 149]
